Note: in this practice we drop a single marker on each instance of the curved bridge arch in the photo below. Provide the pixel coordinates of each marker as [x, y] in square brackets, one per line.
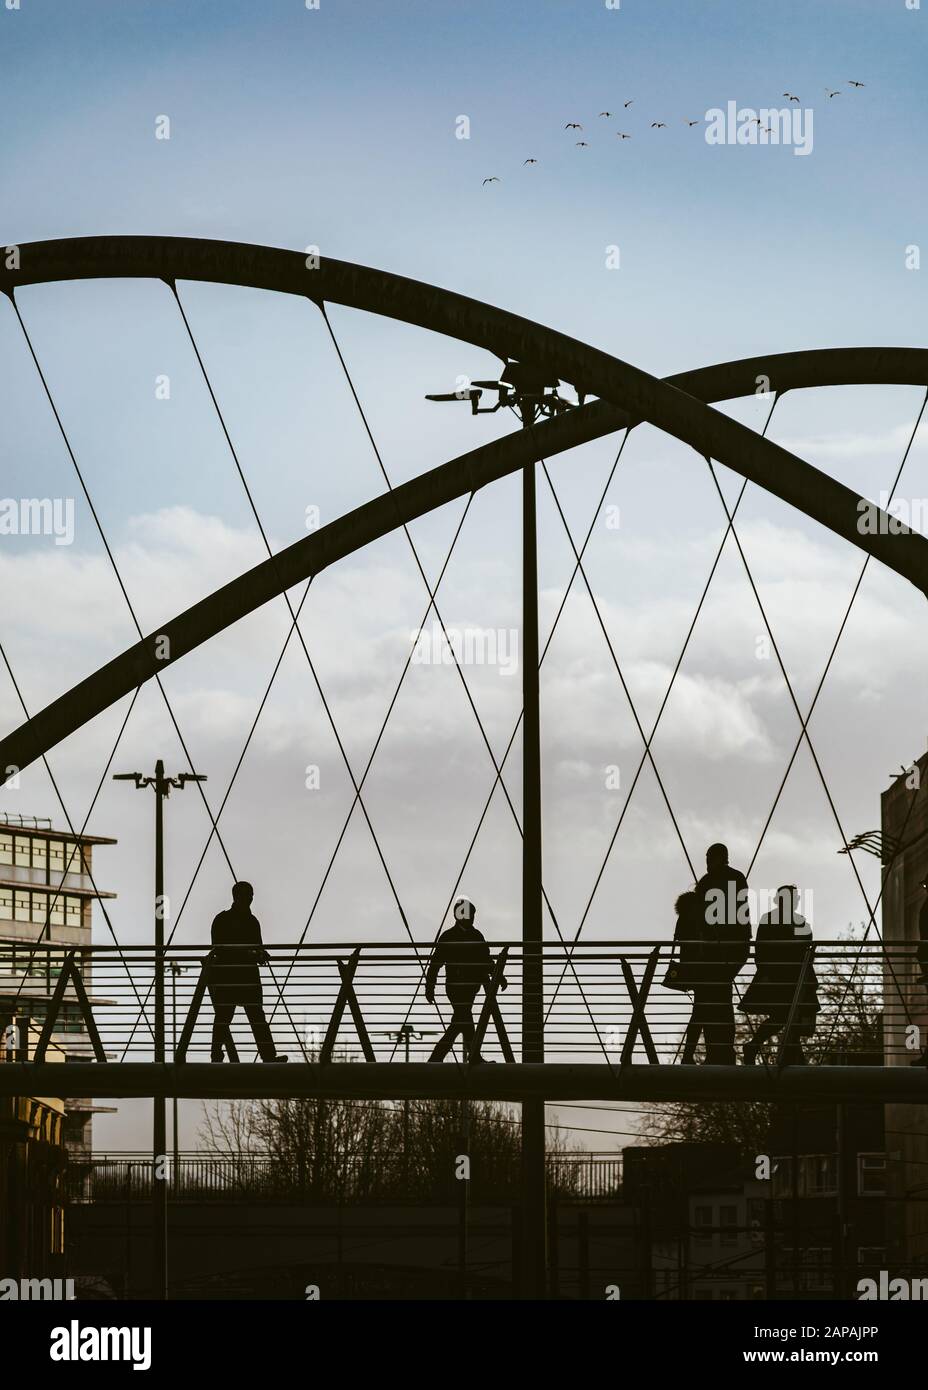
[628, 396]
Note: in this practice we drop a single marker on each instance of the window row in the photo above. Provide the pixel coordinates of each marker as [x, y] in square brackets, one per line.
[35, 905]
[33, 852]
[23, 958]
[19, 958]
[69, 1020]
[818, 1175]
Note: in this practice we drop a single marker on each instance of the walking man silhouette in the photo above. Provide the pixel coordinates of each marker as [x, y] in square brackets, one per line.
[465, 956]
[723, 893]
[233, 974]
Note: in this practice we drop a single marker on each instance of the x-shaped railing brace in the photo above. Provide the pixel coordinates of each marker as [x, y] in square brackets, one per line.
[69, 971]
[639, 999]
[186, 1033]
[346, 995]
[786, 1033]
[491, 1009]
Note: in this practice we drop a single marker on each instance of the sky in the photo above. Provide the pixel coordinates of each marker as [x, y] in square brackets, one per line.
[338, 127]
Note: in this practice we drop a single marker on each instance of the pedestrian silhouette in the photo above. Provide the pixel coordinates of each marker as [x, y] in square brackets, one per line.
[465, 957]
[726, 923]
[781, 954]
[233, 974]
[687, 970]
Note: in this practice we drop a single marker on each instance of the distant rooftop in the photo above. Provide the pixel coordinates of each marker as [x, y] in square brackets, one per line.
[42, 826]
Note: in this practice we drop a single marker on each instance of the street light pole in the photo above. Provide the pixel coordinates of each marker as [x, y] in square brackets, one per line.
[534, 1225]
[176, 969]
[530, 393]
[405, 1034]
[161, 786]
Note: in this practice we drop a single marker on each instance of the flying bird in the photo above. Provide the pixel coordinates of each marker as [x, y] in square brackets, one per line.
[492, 179]
[605, 113]
[686, 122]
[582, 144]
[622, 136]
[790, 95]
[829, 93]
[529, 161]
[658, 125]
[573, 125]
[852, 83]
[627, 104]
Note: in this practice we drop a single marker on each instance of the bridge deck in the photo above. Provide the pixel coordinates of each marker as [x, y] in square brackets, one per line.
[551, 1081]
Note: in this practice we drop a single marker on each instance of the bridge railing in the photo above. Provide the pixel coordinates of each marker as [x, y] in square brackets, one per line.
[342, 1002]
[263, 1177]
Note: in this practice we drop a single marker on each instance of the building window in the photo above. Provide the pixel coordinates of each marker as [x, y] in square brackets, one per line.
[72, 911]
[75, 864]
[782, 1177]
[818, 1175]
[813, 1267]
[70, 1020]
[22, 857]
[39, 855]
[728, 1220]
[818, 1274]
[6, 904]
[757, 1219]
[871, 1175]
[21, 906]
[56, 855]
[871, 1257]
[40, 907]
[702, 1219]
[56, 911]
[6, 848]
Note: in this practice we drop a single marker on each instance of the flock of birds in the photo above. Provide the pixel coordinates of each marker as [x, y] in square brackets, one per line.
[662, 125]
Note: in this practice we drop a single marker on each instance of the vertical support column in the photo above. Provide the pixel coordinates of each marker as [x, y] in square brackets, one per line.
[159, 1185]
[534, 1226]
[839, 1242]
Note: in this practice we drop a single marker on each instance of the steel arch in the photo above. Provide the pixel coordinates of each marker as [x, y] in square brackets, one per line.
[646, 397]
[677, 405]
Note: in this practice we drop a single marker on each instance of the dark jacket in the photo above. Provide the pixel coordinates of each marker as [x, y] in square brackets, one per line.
[232, 965]
[727, 941]
[780, 952]
[466, 958]
[689, 938]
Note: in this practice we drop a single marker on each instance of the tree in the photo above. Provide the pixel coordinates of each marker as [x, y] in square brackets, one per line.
[342, 1150]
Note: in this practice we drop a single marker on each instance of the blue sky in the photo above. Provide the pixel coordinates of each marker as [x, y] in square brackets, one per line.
[336, 127]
